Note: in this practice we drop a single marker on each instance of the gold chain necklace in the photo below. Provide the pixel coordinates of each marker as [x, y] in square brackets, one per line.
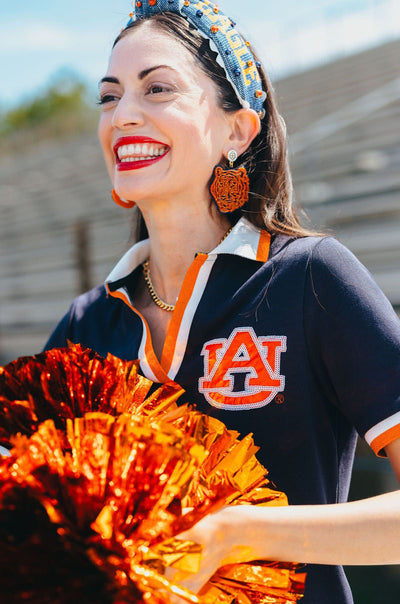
[153, 294]
[163, 305]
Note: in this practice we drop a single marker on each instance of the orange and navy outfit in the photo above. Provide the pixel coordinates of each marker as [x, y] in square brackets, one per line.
[289, 339]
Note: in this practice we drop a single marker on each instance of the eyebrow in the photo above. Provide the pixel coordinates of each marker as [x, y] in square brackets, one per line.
[142, 74]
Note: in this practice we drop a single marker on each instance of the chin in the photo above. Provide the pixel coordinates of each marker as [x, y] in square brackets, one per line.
[141, 194]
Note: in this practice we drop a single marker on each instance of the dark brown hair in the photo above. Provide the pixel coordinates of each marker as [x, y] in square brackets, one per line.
[270, 205]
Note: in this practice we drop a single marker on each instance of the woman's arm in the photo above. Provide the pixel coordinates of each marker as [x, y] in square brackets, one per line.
[365, 532]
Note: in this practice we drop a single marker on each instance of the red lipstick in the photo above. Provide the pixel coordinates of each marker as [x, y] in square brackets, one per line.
[123, 166]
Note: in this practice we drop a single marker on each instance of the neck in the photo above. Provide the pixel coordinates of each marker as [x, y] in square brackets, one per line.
[175, 238]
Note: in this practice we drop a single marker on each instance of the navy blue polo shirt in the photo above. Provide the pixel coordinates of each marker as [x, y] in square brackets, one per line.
[289, 339]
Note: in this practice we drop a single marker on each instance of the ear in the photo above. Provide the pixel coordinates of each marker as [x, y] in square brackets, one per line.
[245, 124]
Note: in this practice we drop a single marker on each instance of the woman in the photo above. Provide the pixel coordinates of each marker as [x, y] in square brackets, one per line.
[274, 330]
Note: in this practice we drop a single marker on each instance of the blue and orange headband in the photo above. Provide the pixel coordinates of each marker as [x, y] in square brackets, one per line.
[233, 52]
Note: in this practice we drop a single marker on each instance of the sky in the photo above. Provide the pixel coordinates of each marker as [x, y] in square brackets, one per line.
[41, 37]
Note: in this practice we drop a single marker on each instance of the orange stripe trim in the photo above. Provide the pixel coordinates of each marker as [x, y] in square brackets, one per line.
[151, 358]
[264, 245]
[180, 307]
[381, 441]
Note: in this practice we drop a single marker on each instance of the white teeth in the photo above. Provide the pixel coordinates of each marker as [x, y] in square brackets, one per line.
[135, 152]
[134, 159]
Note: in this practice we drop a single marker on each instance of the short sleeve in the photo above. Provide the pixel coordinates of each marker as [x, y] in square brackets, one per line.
[353, 339]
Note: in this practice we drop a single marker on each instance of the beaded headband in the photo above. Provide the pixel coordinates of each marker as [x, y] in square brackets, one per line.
[233, 52]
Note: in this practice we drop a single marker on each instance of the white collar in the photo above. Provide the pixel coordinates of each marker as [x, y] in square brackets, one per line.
[244, 240]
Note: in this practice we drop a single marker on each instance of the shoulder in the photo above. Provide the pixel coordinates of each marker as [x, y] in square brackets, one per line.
[320, 253]
[90, 301]
[82, 309]
[299, 248]
[325, 245]
[333, 278]
[339, 286]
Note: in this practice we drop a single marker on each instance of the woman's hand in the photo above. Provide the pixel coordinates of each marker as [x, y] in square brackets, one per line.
[224, 540]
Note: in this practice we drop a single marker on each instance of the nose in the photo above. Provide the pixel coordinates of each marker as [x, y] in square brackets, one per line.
[127, 113]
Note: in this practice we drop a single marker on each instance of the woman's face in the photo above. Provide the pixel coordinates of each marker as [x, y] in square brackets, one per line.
[161, 128]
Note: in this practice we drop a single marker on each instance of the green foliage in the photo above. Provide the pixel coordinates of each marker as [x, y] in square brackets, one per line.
[40, 109]
[60, 109]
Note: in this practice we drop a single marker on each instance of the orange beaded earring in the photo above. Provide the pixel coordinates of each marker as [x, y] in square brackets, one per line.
[230, 188]
[121, 202]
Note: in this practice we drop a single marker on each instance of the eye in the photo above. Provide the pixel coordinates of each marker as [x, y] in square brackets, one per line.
[158, 89]
[107, 98]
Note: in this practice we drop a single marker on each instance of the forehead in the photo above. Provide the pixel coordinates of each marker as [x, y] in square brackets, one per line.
[146, 46]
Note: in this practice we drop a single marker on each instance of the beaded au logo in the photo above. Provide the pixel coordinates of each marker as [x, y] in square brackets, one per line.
[242, 371]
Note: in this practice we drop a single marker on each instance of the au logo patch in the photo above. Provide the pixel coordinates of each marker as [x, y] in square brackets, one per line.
[243, 371]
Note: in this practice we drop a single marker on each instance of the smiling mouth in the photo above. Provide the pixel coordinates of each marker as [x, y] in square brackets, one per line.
[139, 155]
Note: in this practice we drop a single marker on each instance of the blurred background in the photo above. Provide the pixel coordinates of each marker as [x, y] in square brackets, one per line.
[335, 67]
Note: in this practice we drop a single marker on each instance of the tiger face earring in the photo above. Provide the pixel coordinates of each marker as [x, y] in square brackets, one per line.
[230, 187]
[121, 202]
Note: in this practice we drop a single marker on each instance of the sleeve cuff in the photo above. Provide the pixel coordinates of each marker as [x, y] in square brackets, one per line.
[379, 436]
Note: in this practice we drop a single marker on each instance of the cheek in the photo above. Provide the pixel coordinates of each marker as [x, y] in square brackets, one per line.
[196, 140]
[104, 129]
[190, 123]
[104, 136]
[206, 134]
[201, 148]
